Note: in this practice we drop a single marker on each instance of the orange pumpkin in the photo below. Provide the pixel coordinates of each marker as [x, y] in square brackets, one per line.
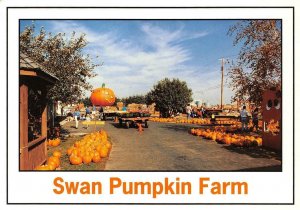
[214, 136]
[57, 154]
[52, 165]
[259, 141]
[103, 96]
[43, 168]
[227, 139]
[96, 159]
[49, 142]
[75, 160]
[55, 142]
[55, 160]
[108, 145]
[69, 150]
[104, 152]
[87, 159]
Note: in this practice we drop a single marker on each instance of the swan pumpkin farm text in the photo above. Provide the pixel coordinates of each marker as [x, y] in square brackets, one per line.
[154, 189]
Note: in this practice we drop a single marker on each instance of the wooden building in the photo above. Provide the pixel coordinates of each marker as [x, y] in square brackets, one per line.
[34, 82]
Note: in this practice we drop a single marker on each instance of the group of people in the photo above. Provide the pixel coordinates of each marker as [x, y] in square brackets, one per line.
[192, 112]
[90, 113]
[244, 116]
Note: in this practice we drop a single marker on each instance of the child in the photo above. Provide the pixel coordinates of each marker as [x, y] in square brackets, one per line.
[88, 120]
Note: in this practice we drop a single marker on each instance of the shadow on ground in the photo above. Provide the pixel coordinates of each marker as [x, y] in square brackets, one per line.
[275, 168]
[255, 152]
[117, 125]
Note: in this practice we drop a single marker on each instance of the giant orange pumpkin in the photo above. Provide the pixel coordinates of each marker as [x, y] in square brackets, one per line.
[103, 96]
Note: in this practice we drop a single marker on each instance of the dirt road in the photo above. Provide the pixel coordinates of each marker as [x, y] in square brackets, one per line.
[169, 147]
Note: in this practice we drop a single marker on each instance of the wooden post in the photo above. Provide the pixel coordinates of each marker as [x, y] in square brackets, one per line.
[44, 122]
[44, 126]
[24, 127]
[222, 78]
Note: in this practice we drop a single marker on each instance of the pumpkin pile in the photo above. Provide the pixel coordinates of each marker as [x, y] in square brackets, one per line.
[91, 148]
[227, 138]
[273, 127]
[53, 142]
[53, 162]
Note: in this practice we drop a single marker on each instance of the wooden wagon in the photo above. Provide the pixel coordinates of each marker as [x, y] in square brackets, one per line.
[133, 118]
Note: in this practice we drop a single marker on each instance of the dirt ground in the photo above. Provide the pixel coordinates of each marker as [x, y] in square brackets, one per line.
[167, 147]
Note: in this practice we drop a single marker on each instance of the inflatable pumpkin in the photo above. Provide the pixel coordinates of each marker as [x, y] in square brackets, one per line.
[103, 96]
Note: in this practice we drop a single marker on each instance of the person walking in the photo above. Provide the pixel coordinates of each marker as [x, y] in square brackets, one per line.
[76, 117]
[255, 119]
[101, 113]
[188, 110]
[87, 111]
[88, 120]
[203, 112]
[244, 118]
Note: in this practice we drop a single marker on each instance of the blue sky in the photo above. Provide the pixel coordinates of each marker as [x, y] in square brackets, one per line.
[136, 54]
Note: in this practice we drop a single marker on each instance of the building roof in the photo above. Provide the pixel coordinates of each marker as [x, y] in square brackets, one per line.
[28, 64]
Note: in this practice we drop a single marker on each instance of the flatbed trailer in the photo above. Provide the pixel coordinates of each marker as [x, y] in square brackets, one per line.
[110, 114]
[220, 118]
[132, 119]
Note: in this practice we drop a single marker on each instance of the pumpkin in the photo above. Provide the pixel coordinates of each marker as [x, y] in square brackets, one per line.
[259, 141]
[55, 142]
[86, 159]
[49, 142]
[52, 165]
[75, 152]
[103, 96]
[56, 154]
[214, 136]
[43, 168]
[108, 145]
[75, 160]
[55, 160]
[227, 139]
[104, 152]
[69, 150]
[199, 132]
[96, 158]
[193, 131]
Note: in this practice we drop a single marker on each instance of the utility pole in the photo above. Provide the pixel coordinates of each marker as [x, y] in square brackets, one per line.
[222, 78]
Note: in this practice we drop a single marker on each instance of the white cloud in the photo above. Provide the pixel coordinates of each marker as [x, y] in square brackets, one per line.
[131, 68]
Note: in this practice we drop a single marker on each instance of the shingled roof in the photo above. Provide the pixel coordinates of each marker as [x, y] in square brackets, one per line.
[26, 63]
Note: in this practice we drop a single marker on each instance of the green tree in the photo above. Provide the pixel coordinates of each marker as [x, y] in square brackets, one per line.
[86, 101]
[137, 99]
[64, 58]
[259, 62]
[170, 96]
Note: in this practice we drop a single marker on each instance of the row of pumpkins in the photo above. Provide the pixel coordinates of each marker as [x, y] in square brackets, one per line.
[232, 125]
[227, 138]
[91, 148]
[199, 121]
